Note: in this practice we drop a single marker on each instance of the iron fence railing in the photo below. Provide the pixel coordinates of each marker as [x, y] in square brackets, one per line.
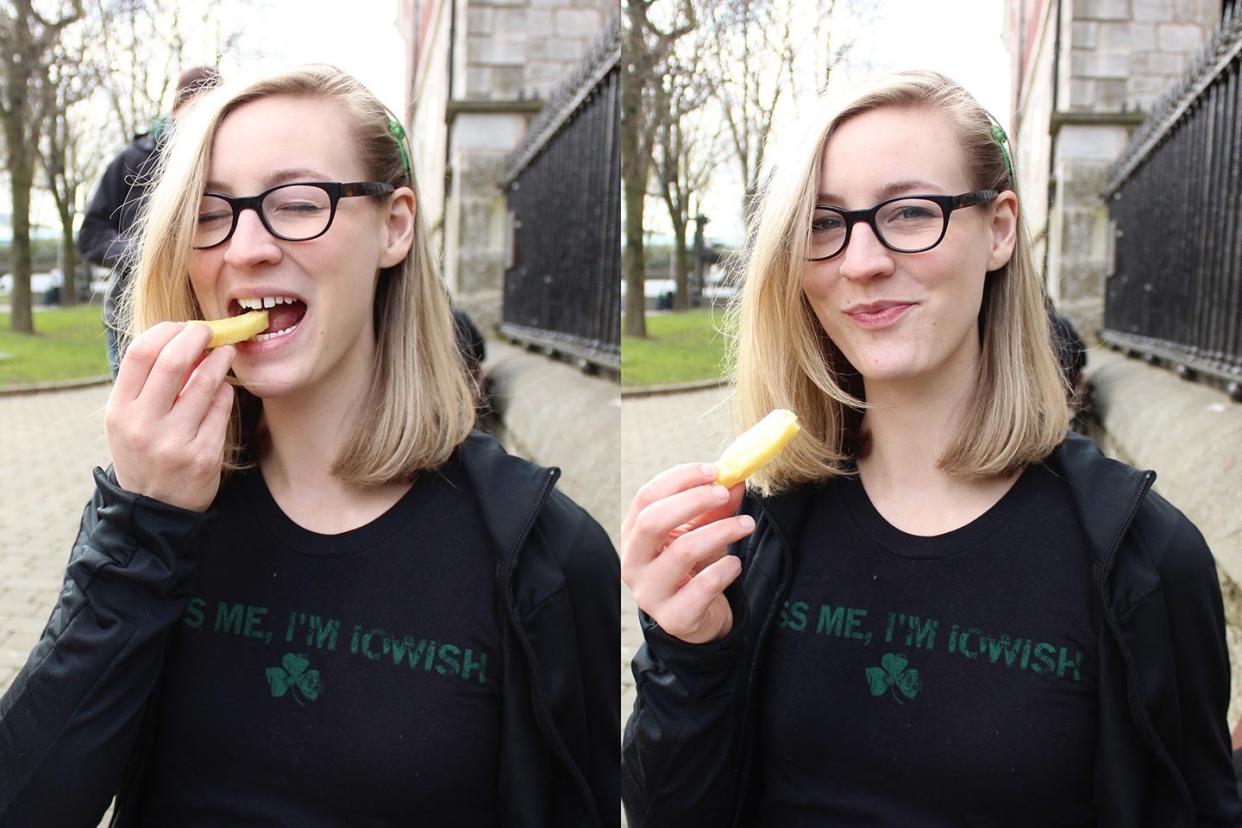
[563, 187]
[1175, 291]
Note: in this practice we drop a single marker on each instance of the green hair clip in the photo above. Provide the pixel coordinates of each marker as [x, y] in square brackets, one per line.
[398, 132]
[1002, 139]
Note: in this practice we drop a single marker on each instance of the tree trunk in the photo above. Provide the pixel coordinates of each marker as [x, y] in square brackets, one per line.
[634, 176]
[21, 319]
[681, 267]
[633, 261]
[69, 293]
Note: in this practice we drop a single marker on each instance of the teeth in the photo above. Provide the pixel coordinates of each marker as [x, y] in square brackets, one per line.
[259, 303]
[266, 336]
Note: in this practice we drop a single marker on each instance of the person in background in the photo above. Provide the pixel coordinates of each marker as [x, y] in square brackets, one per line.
[107, 234]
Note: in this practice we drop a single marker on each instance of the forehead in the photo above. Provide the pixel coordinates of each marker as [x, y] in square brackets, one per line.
[261, 138]
[871, 152]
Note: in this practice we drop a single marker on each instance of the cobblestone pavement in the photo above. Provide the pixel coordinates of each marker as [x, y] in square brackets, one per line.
[49, 443]
[658, 432]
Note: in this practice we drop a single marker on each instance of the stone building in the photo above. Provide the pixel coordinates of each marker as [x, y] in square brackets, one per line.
[477, 72]
[1086, 72]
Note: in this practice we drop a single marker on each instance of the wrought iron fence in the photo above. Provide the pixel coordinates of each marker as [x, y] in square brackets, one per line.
[1175, 291]
[563, 187]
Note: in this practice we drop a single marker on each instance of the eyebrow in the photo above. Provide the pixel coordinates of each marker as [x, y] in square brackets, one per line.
[887, 191]
[277, 177]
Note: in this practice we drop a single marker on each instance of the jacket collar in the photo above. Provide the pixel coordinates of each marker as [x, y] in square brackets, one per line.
[1105, 492]
[510, 490]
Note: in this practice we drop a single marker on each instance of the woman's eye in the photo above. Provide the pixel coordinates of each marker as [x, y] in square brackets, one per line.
[300, 207]
[208, 218]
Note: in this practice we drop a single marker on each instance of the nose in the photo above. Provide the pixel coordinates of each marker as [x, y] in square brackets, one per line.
[864, 257]
[251, 243]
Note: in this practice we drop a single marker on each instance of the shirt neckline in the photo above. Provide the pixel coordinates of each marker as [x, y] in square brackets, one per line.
[875, 527]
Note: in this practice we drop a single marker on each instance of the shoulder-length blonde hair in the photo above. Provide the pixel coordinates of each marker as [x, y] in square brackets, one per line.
[782, 357]
[420, 405]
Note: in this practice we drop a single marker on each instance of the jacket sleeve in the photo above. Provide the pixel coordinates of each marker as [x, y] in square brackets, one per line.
[100, 238]
[69, 720]
[593, 574]
[679, 763]
[1196, 619]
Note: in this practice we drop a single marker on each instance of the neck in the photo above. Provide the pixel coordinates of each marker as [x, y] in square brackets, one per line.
[911, 424]
[307, 432]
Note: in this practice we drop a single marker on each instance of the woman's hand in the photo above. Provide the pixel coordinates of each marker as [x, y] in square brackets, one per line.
[167, 415]
[674, 545]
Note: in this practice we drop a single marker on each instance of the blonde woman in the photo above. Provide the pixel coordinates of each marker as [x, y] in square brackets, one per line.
[936, 607]
[310, 595]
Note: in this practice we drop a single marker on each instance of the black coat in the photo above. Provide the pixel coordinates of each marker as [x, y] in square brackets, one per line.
[109, 229]
[1162, 747]
[72, 729]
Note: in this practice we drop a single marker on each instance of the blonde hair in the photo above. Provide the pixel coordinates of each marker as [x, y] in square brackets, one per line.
[782, 358]
[420, 404]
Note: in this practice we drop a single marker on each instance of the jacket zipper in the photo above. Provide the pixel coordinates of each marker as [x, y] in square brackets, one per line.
[745, 754]
[544, 717]
[1136, 703]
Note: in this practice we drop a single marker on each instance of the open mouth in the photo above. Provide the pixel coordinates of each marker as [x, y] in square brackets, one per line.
[284, 313]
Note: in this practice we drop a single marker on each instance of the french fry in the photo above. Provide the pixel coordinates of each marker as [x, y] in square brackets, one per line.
[235, 329]
[756, 447]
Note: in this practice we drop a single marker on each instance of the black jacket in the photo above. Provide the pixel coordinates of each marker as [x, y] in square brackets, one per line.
[107, 235]
[1162, 747]
[72, 729]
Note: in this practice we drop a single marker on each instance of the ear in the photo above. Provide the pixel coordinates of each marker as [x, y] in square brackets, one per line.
[1004, 229]
[398, 227]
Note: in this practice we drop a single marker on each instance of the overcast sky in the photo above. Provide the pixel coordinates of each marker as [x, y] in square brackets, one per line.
[360, 37]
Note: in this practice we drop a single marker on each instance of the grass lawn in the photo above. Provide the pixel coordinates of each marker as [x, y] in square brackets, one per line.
[680, 347]
[67, 344]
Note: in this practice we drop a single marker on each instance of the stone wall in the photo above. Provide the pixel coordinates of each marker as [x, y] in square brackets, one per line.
[1116, 59]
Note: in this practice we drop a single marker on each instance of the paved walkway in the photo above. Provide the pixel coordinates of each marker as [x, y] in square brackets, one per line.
[48, 445]
[658, 432]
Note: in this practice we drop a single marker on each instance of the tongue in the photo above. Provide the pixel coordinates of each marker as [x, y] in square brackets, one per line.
[284, 316]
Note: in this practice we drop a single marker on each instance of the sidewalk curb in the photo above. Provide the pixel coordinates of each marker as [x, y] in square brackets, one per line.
[56, 385]
[675, 388]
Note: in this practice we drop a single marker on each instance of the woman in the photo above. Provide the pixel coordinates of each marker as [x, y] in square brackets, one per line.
[318, 598]
[937, 607]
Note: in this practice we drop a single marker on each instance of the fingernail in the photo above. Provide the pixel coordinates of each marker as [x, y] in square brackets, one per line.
[708, 469]
[746, 522]
[720, 493]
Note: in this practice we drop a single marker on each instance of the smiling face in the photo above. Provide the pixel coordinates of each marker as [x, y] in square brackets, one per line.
[906, 316]
[320, 292]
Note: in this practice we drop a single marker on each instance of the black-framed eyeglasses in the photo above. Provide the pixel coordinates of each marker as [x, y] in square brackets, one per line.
[294, 212]
[907, 224]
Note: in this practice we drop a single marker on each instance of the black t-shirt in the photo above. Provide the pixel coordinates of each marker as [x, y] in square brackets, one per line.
[934, 681]
[335, 680]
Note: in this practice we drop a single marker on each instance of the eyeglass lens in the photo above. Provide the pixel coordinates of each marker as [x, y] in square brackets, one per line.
[908, 225]
[294, 213]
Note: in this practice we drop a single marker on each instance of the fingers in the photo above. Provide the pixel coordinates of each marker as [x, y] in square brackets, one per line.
[668, 482]
[699, 611]
[677, 514]
[140, 356]
[174, 364]
[691, 555]
[201, 387]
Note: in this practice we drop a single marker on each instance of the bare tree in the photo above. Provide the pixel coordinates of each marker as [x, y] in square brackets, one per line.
[766, 55]
[27, 39]
[645, 46]
[63, 153]
[686, 150]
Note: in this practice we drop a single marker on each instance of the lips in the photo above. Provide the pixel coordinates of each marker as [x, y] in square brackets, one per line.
[878, 314]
